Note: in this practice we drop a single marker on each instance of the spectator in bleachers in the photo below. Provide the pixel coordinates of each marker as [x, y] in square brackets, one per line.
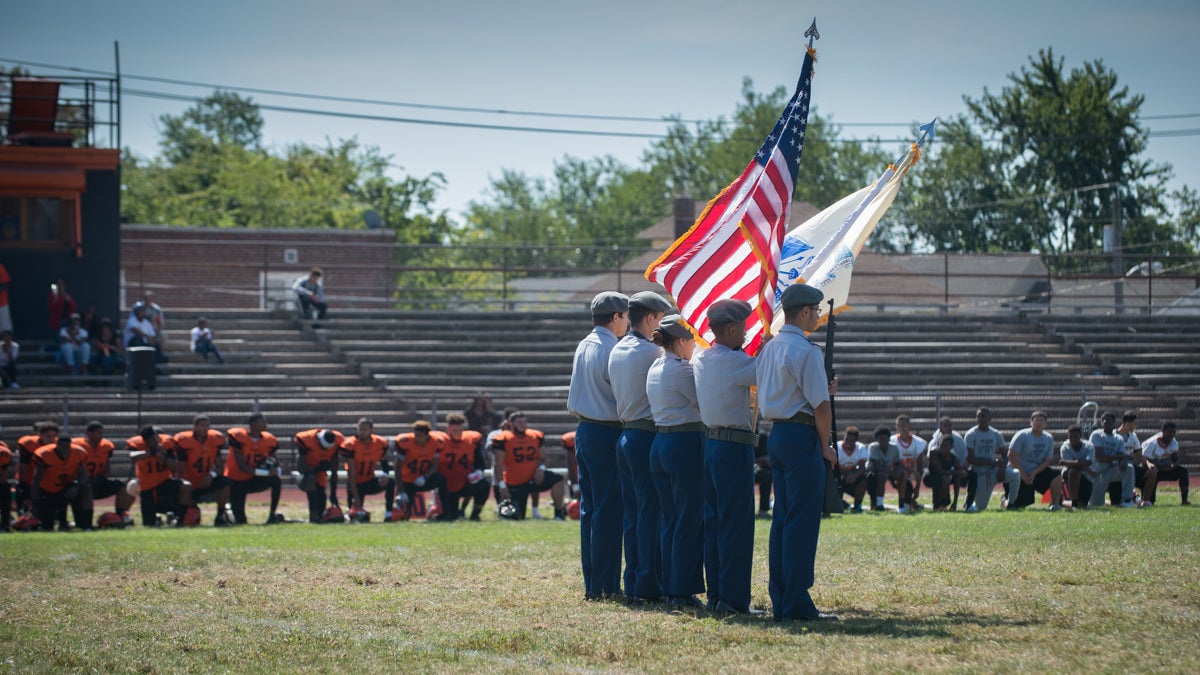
[1078, 458]
[99, 468]
[364, 451]
[986, 459]
[852, 467]
[202, 341]
[1162, 451]
[913, 455]
[481, 416]
[461, 463]
[251, 466]
[318, 450]
[944, 471]
[310, 293]
[1029, 456]
[9, 350]
[6, 323]
[946, 428]
[883, 466]
[90, 320]
[140, 332]
[1112, 464]
[60, 305]
[154, 312]
[74, 346]
[108, 354]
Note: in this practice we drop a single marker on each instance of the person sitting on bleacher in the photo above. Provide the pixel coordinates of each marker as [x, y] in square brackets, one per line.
[9, 350]
[310, 293]
[107, 351]
[202, 341]
[140, 332]
[74, 346]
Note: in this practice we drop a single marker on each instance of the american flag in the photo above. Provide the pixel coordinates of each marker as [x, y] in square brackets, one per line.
[733, 249]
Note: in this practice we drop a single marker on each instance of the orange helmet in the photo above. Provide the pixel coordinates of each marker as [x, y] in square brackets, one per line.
[112, 519]
[573, 509]
[191, 516]
[333, 514]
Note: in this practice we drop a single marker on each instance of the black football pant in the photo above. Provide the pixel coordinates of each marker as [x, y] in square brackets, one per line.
[477, 493]
[241, 488]
[47, 507]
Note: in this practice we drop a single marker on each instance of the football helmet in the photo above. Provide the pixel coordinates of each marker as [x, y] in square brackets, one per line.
[508, 510]
[132, 487]
[359, 515]
[111, 519]
[333, 514]
[434, 512]
[26, 523]
[573, 509]
[191, 516]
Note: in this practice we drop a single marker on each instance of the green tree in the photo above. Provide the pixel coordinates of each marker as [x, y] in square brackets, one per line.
[1045, 165]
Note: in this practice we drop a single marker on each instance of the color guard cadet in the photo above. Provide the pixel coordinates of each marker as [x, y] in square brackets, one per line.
[793, 393]
[724, 376]
[677, 461]
[590, 399]
[627, 366]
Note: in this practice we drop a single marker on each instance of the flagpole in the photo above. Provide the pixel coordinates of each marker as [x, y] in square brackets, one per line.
[833, 496]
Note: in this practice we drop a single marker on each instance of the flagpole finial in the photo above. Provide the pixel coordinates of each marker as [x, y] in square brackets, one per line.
[928, 129]
[812, 33]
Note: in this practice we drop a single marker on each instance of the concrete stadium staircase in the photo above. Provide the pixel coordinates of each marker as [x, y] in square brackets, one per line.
[400, 366]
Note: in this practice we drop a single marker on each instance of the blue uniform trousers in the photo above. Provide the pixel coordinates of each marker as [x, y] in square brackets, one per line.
[798, 474]
[677, 462]
[599, 508]
[643, 565]
[728, 522]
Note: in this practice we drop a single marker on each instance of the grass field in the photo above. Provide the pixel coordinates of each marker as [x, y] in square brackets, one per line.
[1106, 590]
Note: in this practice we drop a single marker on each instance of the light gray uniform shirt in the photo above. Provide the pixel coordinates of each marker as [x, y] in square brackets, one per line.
[985, 443]
[1032, 450]
[1085, 453]
[723, 380]
[882, 459]
[791, 375]
[671, 388]
[1112, 445]
[628, 365]
[591, 393]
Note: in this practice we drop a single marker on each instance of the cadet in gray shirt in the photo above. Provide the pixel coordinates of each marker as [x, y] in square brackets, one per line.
[1112, 464]
[883, 465]
[986, 460]
[1078, 457]
[946, 427]
[1030, 456]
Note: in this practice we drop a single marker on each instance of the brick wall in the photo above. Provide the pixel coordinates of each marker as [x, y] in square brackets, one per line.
[214, 268]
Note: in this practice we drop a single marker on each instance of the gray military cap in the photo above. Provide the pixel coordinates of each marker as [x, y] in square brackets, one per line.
[675, 326]
[651, 301]
[728, 311]
[799, 295]
[609, 302]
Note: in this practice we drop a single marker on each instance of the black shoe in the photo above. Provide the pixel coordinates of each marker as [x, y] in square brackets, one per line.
[474, 517]
[723, 606]
[765, 515]
[685, 601]
[275, 518]
[220, 521]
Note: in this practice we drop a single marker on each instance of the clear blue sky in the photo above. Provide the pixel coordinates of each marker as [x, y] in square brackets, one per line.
[878, 62]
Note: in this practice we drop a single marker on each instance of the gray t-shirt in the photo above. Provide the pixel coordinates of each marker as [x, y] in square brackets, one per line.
[960, 446]
[881, 459]
[1112, 445]
[1032, 450]
[1085, 453]
[985, 442]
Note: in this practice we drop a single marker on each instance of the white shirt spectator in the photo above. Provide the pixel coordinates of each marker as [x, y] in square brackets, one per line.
[144, 325]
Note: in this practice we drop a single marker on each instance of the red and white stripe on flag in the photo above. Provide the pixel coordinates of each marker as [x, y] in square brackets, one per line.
[733, 249]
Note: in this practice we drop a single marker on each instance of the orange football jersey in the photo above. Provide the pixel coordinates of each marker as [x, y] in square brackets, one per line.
[196, 457]
[151, 471]
[522, 454]
[457, 458]
[58, 472]
[254, 450]
[418, 458]
[98, 457]
[363, 456]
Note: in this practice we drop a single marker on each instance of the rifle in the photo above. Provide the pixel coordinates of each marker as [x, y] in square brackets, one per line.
[833, 495]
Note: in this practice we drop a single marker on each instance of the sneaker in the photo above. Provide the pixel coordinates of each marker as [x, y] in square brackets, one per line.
[856, 509]
[972, 509]
[474, 517]
[1185, 503]
[904, 508]
[1145, 503]
[536, 514]
[1128, 504]
[1055, 507]
[764, 515]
